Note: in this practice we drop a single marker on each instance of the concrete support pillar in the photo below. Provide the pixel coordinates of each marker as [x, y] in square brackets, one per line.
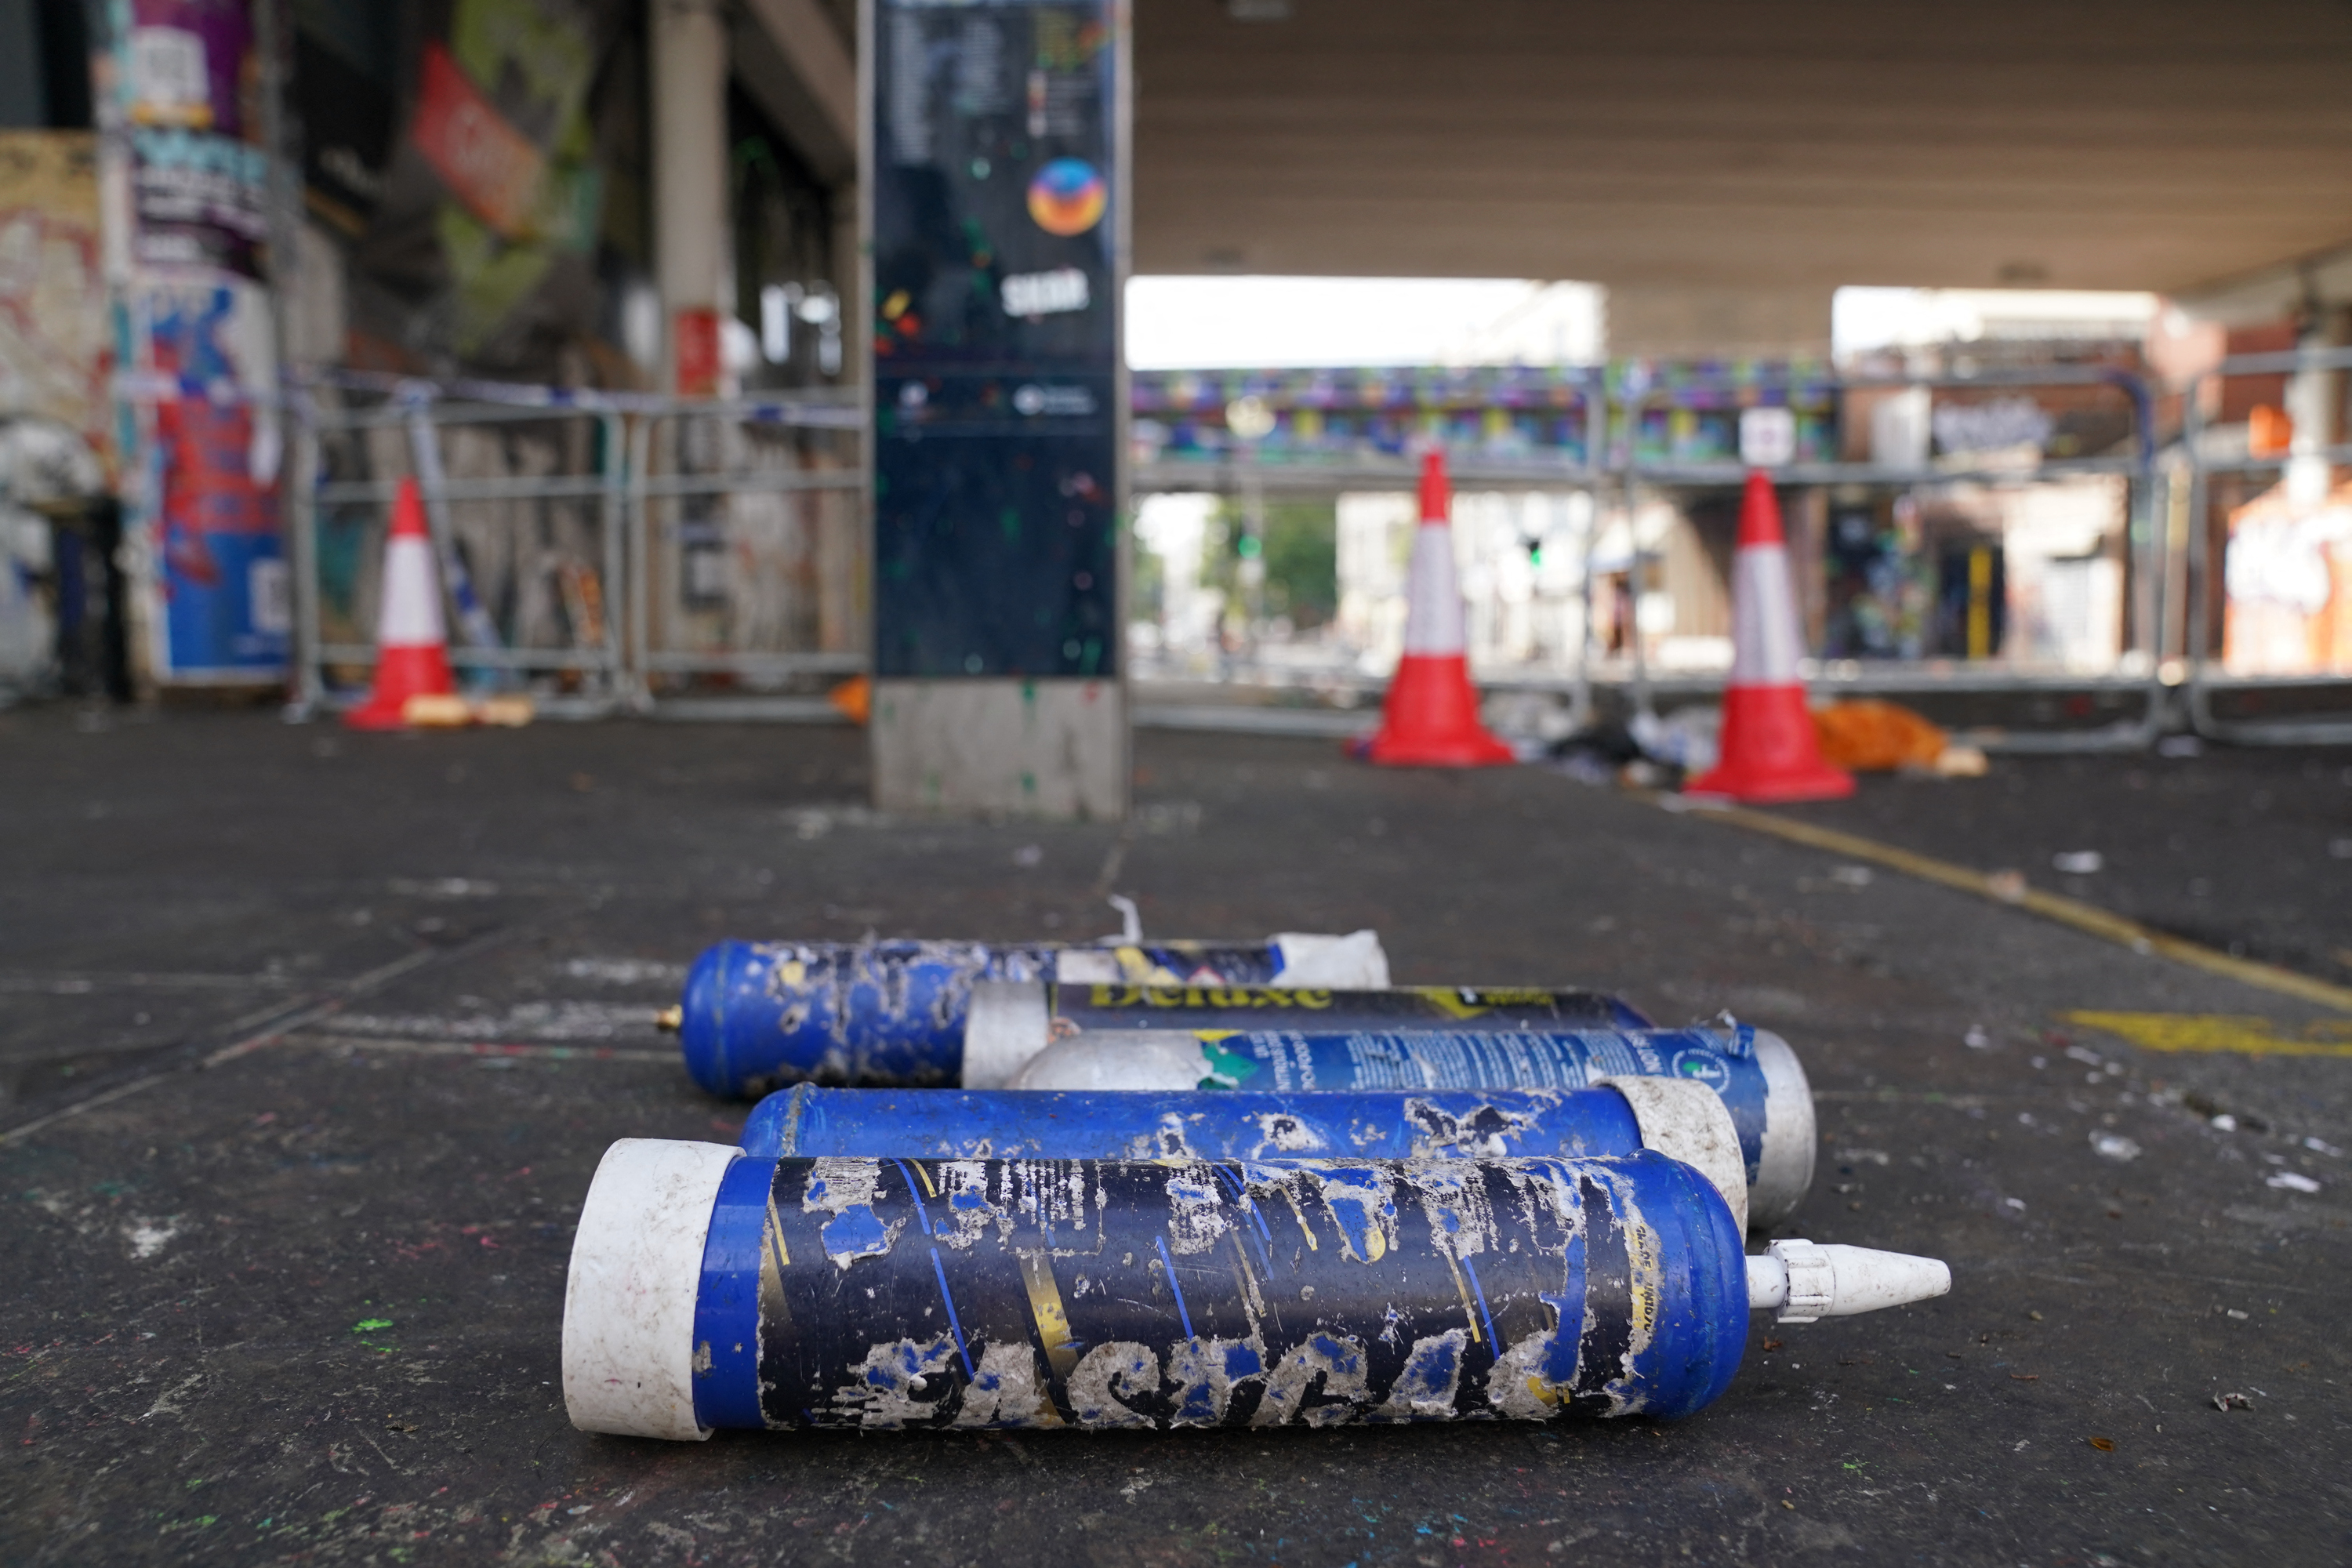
[692, 247]
[1646, 320]
[2313, 403]
[1052, 749]
[849, 277]
[998, 685]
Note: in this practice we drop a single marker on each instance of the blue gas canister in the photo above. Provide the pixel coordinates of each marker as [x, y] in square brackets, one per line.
[709, 1289]
[758, 1015]
[1011, 1022]
[1754, 1071]
[1615, 1117]
[949, 1123]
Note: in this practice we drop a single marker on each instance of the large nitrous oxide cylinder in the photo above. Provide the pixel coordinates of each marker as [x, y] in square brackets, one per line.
[709, 1288]
[1013, 1022]
[1615, 1117]
[758, 1015]
[1754, 1071]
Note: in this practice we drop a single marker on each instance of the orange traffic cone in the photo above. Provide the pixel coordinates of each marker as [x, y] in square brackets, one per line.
[411, 656]
[1770, 750]
[1431, 718]
[854, 698]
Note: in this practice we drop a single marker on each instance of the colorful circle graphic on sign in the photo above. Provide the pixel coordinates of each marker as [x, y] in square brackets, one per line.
[1068, 196]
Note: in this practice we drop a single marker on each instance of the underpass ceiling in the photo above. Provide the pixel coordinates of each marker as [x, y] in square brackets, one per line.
[2108, 145]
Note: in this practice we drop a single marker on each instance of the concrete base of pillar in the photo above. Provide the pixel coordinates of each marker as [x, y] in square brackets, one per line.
[1049, 748]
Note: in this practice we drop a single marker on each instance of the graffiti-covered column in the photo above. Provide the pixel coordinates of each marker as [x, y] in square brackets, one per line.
[187, 180]
[994, 172]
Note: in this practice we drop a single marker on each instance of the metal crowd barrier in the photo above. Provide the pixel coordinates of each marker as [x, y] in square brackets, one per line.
[662, 470]
[360, 456]
[2202, 680]
[698, 473]
[628, 485]
[2144, 606]
[1615, 471]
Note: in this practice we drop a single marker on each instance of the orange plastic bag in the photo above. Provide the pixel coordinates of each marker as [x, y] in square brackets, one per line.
[1870, 736]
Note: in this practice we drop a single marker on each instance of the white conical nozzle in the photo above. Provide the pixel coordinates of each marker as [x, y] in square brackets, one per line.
[1799, 1282]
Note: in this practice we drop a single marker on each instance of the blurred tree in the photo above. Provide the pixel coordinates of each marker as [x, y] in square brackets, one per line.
[1301, 551]
[1147, 584]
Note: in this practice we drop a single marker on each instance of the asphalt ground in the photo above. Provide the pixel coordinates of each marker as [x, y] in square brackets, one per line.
[2247, 851]
[303, 1303]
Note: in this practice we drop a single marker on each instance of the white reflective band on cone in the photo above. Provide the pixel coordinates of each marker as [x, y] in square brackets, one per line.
[1765, 642]
[1784, 1166]
[411, 616]
[1688, 1122]
[1433, 605]
[628, 1305]
[1356, 961]
[1004, 1027]
[1800, 1282]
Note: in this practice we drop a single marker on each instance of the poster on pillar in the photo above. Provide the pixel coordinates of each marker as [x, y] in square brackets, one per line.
[222, 583]
[994, 330]
[199, 178]
[196, 425]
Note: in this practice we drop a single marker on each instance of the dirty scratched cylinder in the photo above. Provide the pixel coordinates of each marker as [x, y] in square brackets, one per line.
[990, 1293]
[1757, 1074]
[806, 1121]
[1682, 1119]
[757, 1015]
[1012, 1021]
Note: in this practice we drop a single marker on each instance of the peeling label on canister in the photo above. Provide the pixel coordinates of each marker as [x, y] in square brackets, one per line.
[1112, 1294]
[1299, 1059]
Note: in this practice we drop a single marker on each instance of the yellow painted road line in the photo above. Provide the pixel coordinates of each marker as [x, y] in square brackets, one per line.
[2007, 888]
[2220, 1032]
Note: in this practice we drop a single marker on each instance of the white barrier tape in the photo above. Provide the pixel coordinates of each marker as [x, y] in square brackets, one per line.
[154, 387]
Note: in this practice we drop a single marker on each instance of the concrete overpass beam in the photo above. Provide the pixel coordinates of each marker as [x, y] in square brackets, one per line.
[791, 59]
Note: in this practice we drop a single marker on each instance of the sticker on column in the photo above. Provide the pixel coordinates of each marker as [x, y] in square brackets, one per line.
[269, 602]
[1768, 438]
[1068, 197]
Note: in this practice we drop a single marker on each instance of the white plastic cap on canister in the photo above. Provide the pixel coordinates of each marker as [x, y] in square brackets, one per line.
[1800, 1282]
[1688, 1121]
[1784, 1166]
[1355, 961]
[1085, 966]
[1005, 1025]
[637, 1268]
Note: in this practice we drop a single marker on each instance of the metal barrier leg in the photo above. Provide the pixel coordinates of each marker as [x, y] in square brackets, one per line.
[309, 688]
[1580, 704]
[635, 507]
[612, 513]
